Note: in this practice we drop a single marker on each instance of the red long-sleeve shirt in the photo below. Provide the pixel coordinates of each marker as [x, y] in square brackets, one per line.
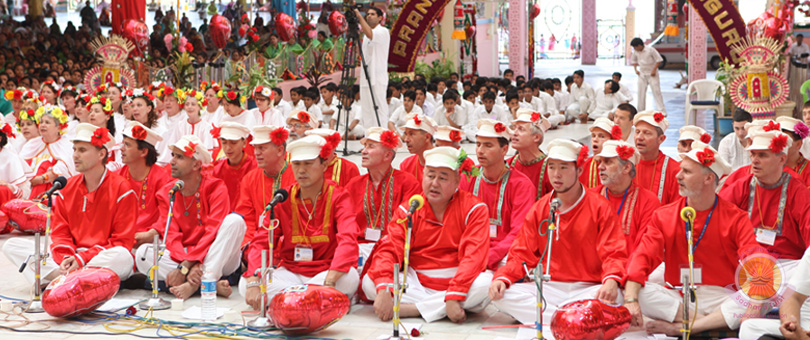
[516, 202]
[458, 241]
[331, 233]
[536, 172]
[189, 236]
[97, 220]
[404, 186]
[635, 213]
[232, 176]
[411, 166]
[589, 245]
[341, 171]
[256, 191]
[648, 176]
[147, 199]
[590, 174]
[728, 239]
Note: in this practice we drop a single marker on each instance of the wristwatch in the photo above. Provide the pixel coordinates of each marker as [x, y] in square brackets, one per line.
[183, 270]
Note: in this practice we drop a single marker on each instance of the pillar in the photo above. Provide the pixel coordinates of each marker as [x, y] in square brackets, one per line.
[629, 30]
[696, 46]
[589, 36]
[487, 39]
[518, 37]
[449, 46]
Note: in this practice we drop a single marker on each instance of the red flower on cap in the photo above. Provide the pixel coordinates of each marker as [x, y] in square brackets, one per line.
[30, 113]
[616, 132]
[216, 131]
[279, 136]
[8, 131]
[705, 138]
[772, 126]
[778, 143]
[190, 149]
[168, 91]
[100, 137]
[455, 136]
[389, 139]
[231, 95]
[138, 132]
[705, 157]
[303, 117]
[658, 116]
[189, 47]
[326, 151]
[625, 152]
[535, 116]
[258, 89]
[499, 127]
[333, 140]
[416, 120]
[583, 155]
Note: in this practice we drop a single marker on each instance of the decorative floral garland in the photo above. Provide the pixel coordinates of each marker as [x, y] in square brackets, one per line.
[54, 111]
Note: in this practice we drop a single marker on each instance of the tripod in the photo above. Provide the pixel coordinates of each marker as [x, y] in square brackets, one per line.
[348, 77]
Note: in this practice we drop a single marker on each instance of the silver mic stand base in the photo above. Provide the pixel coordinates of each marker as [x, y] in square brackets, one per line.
[34, 306]
[155, 303]
[260, 323]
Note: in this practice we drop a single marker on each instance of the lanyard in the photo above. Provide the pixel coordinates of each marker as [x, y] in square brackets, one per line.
[705, 224]
[498, 220]
[276, 182]
[752, 193]
[623, 198]
[368, 200]
[542, 172]
[627, 216]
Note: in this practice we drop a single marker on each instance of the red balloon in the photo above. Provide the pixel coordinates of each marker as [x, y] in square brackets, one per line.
[80, 292]
[136, 32]
[337, 23]
[220, 29]
[535, 10]
[589, 320]
[285, 26]
[27, 216]
[470, 31]
[304, 309]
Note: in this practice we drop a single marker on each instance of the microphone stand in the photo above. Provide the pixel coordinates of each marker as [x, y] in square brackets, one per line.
[399, 289]
[40, 258]
[266, 277]
[687, 286]
[156, 302]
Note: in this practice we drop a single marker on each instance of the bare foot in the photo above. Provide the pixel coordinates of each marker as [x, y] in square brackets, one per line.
[183, 291]
[224, 288]
[659, 327]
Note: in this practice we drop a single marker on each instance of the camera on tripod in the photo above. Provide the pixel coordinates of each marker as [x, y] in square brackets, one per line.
[351, 17]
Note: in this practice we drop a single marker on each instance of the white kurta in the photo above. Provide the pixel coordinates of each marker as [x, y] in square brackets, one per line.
[15, 171]
[202, 130]
[60, 153]
[733, 152]
[375, 52]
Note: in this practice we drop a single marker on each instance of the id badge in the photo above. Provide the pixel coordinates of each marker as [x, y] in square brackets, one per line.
[303, 253]
[698, 274]
[766, 236]
[493, 231]
[373, 235]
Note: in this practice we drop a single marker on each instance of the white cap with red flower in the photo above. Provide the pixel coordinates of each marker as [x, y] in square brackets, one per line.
[757, 126]
[420, 122]
[308, 148]
[691, 132]
[387, 138]
[772, 140]
[443, 157]
[793, 125]
[233, 131]
[525, 115]
[654, 118]
[619, 148]
[98, 136]
[608, 126]
[568, 151]
[192, 147]
[493, 128]
[449, 134]
[140, 132]
[269, 134]
[303, 117]
[708, 157]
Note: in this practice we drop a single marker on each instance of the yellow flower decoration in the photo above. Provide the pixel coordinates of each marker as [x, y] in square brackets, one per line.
[55, 112]
[199, 95]
[105, 103]
[181, 96]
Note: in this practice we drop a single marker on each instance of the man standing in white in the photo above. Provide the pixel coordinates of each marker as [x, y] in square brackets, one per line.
[375, 52]
[799, 49]
[583, 99]
[646, 61]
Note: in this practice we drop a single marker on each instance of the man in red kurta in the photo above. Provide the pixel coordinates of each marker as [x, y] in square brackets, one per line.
[655, 171]
[260, 184]
[603, 129]
[93, 216]
[237, 163]
[588, 255]
[446, 274]
[418, 137]
[777, 203]
[503, 190]
[721, 235]
[338, 169]
[633, 205]
[529, 159]
[139, 155]
[377, 193]
[202, 235]
[797, 131]
[316, 235]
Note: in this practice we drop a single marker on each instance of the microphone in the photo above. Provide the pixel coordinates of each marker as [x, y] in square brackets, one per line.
[279, 196]
[58, 183]
[555, 205]
[416, 202]
[688, 214]
[177, 187]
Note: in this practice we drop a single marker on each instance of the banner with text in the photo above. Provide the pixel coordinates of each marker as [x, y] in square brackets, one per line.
[724, 23]
[410, 30]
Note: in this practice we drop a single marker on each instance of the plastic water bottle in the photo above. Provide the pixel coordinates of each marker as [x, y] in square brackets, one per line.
[208, 290]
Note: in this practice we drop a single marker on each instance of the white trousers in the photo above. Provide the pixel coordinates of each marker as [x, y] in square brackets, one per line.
[430, 302]
[556, 119]
[578, 106]
[369, 118]
[754, 328]
[117, 259]
[644, 80]
[223, 256]
[520, 300]
[660, 303]
[283, 278]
